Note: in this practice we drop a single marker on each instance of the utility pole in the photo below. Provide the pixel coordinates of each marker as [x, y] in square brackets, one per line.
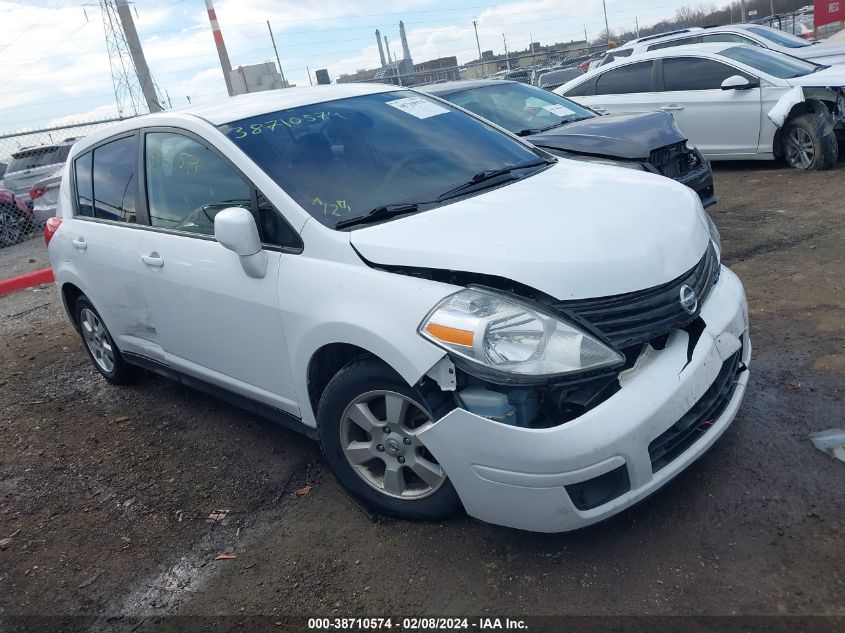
[221, 47]
[586, 39]
[637, 20]
[507, 55]
[308, 70]
[772, 5]
[141, 68]
[278, 61]
[606, 27]
[742, 7]
[477, 43]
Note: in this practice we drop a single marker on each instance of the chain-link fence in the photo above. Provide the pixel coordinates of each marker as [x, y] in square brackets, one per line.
[31, 165]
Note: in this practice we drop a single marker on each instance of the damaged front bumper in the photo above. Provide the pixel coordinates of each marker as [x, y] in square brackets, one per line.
[570, 476]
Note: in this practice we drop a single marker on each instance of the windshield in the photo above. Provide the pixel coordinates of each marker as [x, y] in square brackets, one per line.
[341, 159]
[519, 108]
[771, 62]
[779, 37]
[38, 157]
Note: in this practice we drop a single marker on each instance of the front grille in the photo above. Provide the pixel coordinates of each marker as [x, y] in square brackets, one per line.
[675, 161]
[698, 420]
[638, 317]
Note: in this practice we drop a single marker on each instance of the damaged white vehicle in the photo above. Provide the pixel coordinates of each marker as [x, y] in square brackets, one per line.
[458, 317]
[733, 102]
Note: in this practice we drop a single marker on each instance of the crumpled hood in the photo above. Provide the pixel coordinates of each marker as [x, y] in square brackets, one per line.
[573, 231]
[832, 77]
[629, 136]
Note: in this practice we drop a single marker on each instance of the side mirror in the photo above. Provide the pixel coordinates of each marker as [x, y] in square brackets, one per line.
[235, 229]
[738, 82]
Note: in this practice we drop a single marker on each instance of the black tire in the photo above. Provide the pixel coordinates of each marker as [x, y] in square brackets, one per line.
[14, 226]
[818, 135]
[118, 372]
[364, 376]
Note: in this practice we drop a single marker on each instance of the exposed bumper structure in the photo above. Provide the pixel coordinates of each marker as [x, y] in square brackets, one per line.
[526, 478]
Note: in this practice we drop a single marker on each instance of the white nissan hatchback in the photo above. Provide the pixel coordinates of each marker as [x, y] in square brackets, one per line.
[459, 318]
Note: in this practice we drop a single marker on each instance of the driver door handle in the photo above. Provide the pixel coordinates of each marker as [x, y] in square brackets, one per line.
[80, 244]
[671, 108]
[153, 259]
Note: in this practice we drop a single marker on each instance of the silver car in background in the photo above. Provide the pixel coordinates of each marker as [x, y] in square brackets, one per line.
[31, 164]
[45, 197]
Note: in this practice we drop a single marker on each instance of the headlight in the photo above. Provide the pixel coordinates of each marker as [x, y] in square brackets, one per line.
[714, 235]
[503, 334]
[627, 164]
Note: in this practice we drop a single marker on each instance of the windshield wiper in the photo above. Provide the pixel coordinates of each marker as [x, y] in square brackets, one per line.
[488, 175]
[380, 213]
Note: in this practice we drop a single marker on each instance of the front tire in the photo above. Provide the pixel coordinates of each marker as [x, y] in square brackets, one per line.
[368, 425]
[808, 145]
[100, 346]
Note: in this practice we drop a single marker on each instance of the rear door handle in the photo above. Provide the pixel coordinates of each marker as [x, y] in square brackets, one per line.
[80, 243]
[153, 259]
[671, 108]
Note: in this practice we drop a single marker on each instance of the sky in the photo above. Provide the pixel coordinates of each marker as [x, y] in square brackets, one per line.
[54, 65]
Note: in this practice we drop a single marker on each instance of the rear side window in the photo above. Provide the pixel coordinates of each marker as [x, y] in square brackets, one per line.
[625, 52]
[188, 184]
[684, 41]
[690, 73]
[82, 168]
[728, 37]
[628, 79]
[115, 184]
[581, 90]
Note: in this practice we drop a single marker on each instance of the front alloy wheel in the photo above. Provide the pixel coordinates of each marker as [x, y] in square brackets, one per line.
[369, 422]
[378, 434]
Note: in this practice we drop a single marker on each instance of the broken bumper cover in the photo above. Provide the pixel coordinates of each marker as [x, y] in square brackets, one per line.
[519, 477]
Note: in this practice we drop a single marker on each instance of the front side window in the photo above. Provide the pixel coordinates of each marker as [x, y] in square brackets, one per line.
[693, 73]
[115, 185]
[628, 79]
[771, 62]
[581, 90]
[188, 184]
[733, 38]
[342, 159]
[519, 108]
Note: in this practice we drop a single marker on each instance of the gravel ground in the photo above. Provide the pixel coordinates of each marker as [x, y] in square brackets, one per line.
[105, 491]
[26, 257]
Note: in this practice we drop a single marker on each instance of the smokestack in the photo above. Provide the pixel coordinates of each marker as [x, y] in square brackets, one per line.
[380, 49]
[221, 47]
[387, 47]
[406, 52]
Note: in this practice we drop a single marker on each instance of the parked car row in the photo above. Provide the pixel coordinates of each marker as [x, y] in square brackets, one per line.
[460, 317]
[732, 101]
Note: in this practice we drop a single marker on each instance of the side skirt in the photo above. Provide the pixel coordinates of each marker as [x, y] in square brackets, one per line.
[242, 402]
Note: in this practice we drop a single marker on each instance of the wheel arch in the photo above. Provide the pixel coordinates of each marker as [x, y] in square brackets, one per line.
[808, 106]
[70, 293]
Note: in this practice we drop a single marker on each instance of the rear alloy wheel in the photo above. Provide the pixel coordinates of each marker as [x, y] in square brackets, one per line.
[809, 144]
[12, 227]
[369, 425]
[100, 346]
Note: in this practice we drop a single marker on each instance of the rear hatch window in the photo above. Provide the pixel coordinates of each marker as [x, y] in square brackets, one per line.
[38, 157]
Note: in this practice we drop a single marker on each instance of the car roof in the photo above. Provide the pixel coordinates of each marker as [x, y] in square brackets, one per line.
[456, 86]
[244, 106]
[672, 51]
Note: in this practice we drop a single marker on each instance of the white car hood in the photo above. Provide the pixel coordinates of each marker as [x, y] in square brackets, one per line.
[574, 231]
[832, 77]
[824, 49]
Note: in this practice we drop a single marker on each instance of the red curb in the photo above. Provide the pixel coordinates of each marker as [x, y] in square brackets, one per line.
[28, 280]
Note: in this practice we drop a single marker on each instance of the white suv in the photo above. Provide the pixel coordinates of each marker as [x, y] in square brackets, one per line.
[457, 317]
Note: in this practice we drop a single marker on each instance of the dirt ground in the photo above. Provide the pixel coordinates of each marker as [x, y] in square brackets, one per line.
[105, 491]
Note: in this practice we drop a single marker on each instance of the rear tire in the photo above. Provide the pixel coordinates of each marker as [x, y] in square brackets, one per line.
[807, 144]
[100, 346]
[368, 418]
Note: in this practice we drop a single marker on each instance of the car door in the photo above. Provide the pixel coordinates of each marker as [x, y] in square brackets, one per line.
[721, 123]
[628, 88]
[105, 239]
[215, 322]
